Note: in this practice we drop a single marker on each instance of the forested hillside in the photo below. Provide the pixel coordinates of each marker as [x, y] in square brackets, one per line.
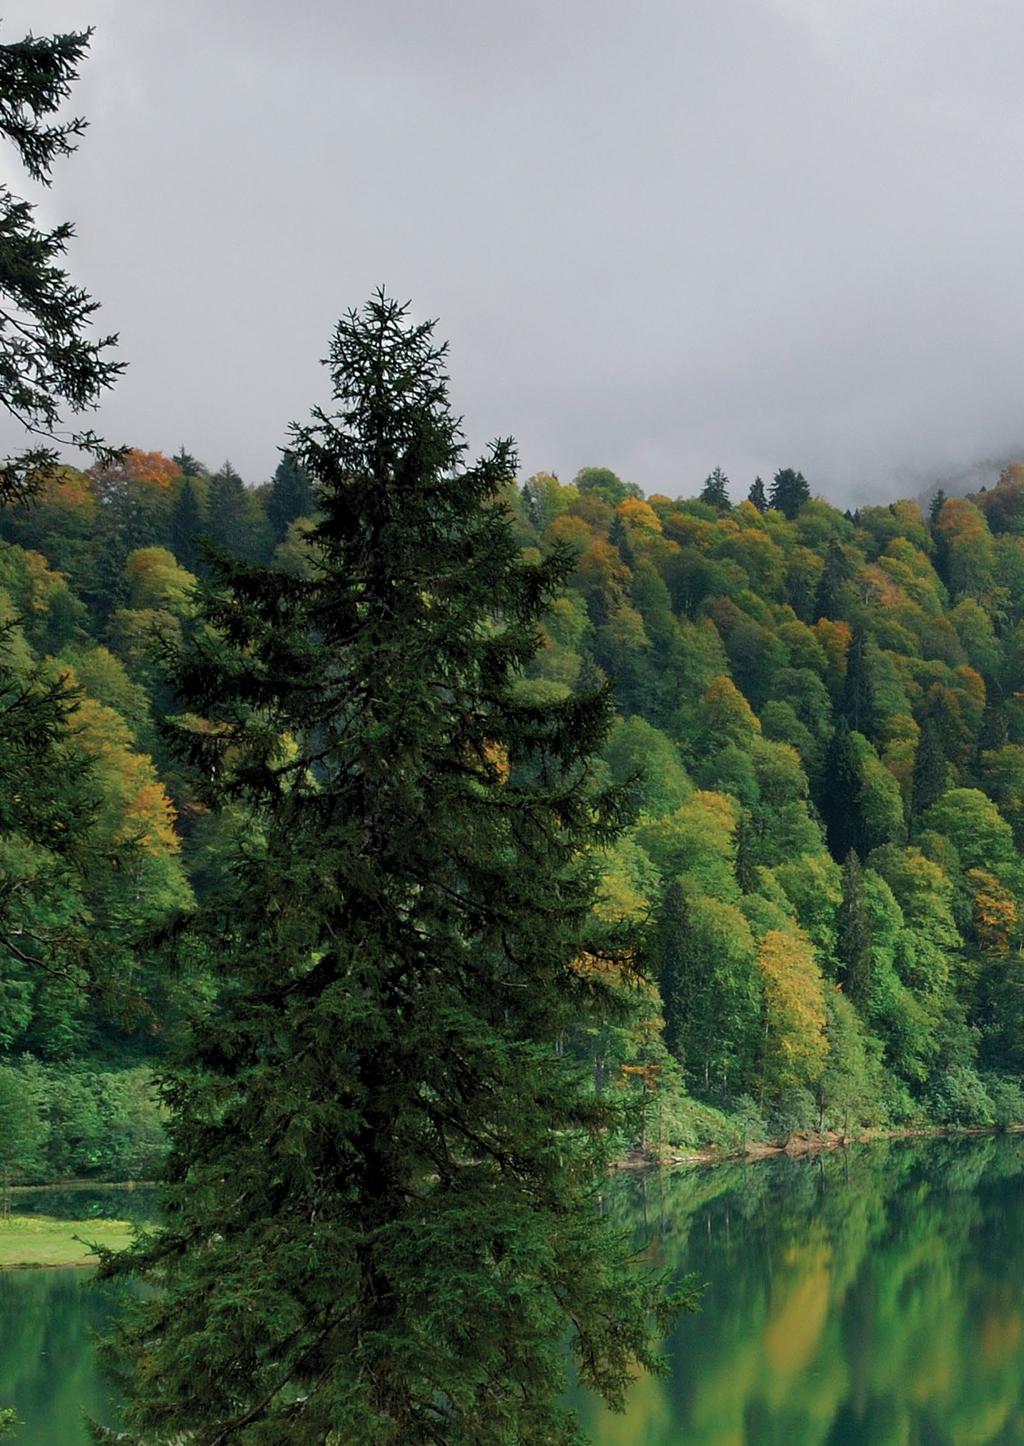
[820, 722]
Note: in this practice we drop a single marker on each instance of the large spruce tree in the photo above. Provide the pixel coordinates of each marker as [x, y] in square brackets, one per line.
[378, 1223]
[50, 364]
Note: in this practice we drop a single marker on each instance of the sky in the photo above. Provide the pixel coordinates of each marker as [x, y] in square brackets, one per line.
[660, 236]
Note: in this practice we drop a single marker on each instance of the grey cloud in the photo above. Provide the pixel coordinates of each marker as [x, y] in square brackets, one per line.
[659, 236]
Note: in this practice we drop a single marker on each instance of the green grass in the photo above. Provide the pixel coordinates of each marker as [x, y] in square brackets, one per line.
[40, 1240]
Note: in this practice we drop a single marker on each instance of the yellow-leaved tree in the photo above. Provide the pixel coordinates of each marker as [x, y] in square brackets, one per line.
[795, 1044]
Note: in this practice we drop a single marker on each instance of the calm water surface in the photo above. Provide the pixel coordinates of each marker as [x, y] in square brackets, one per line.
[871, 1298]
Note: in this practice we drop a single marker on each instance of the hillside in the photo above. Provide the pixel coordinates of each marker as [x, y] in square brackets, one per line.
[820, 730]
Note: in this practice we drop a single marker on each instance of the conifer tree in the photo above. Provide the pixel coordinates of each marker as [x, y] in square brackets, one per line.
[715, 491]
[857, 701]
[49, 363]
[757, 495]
[931, 770]
[187, 524]
[378, 1215]
[840, 800]
[291, 496]
[620, 539]
[234, 519]
[790, 491]
[190, 465]
[828, 599]
[853, 943]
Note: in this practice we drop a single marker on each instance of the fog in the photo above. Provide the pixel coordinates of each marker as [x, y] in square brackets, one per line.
[660, 237]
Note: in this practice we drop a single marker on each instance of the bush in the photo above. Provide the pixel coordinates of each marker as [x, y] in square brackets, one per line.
[796, 1109]
[1007, 1096]
[749, 1119]
[65, 1122]
[959, 1097]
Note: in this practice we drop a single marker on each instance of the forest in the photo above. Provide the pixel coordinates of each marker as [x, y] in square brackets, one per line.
[818, 731]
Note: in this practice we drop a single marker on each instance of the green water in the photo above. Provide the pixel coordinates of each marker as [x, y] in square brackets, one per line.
[870, 1298]
[47, 1371]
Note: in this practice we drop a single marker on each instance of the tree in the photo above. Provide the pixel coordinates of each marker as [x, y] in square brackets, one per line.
[853, 941]
[83, 875]
[828, 599]
[23, 1132]
[789, 491]
[857, 699]
[234, 519]
[379, 1223]
[795, 1044]
[49, 363]
[677, 971]
[190, 465]
[931, 771]
[715, 491]
[840, 795]
[757, 495]
[187, 524]
[291, 496]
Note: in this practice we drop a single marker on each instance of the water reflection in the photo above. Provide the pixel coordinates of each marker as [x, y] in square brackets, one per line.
[47, 1369]
[874, 1298]
[87, 1202]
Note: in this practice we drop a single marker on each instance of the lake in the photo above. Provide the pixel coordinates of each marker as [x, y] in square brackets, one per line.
[870, 1297]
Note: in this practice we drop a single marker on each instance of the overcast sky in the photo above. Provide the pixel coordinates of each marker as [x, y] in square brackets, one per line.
[660, 236]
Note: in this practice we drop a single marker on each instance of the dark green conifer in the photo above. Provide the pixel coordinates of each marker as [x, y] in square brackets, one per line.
[715, 491]
[187, 524]
[857, 701]
[840, 801]
[931, 770]
[790, 491]
[379, 1221]
[50, 365]
[291, 496]
[853, 942]
[191, 466]
[620, 539]
[746, 870]
[234, 518]
[995, 725]
[828, 599]
[757, 495]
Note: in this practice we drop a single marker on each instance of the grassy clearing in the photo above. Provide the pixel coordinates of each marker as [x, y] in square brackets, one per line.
[40, 1240]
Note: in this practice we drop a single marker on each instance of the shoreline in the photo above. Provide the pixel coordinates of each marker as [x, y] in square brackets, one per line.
[798, 1144]
[43, 1242]
[83, 1185]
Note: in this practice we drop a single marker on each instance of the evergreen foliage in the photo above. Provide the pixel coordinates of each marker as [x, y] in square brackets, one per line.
[828, 598]
[789, 492]
[291, 496]
[49, 363]
[379, 1222]
[715, 491]
[187, 523]
[853, 935]
[233, 518]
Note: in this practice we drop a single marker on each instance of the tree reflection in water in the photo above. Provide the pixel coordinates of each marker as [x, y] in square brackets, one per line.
[868, 1298]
